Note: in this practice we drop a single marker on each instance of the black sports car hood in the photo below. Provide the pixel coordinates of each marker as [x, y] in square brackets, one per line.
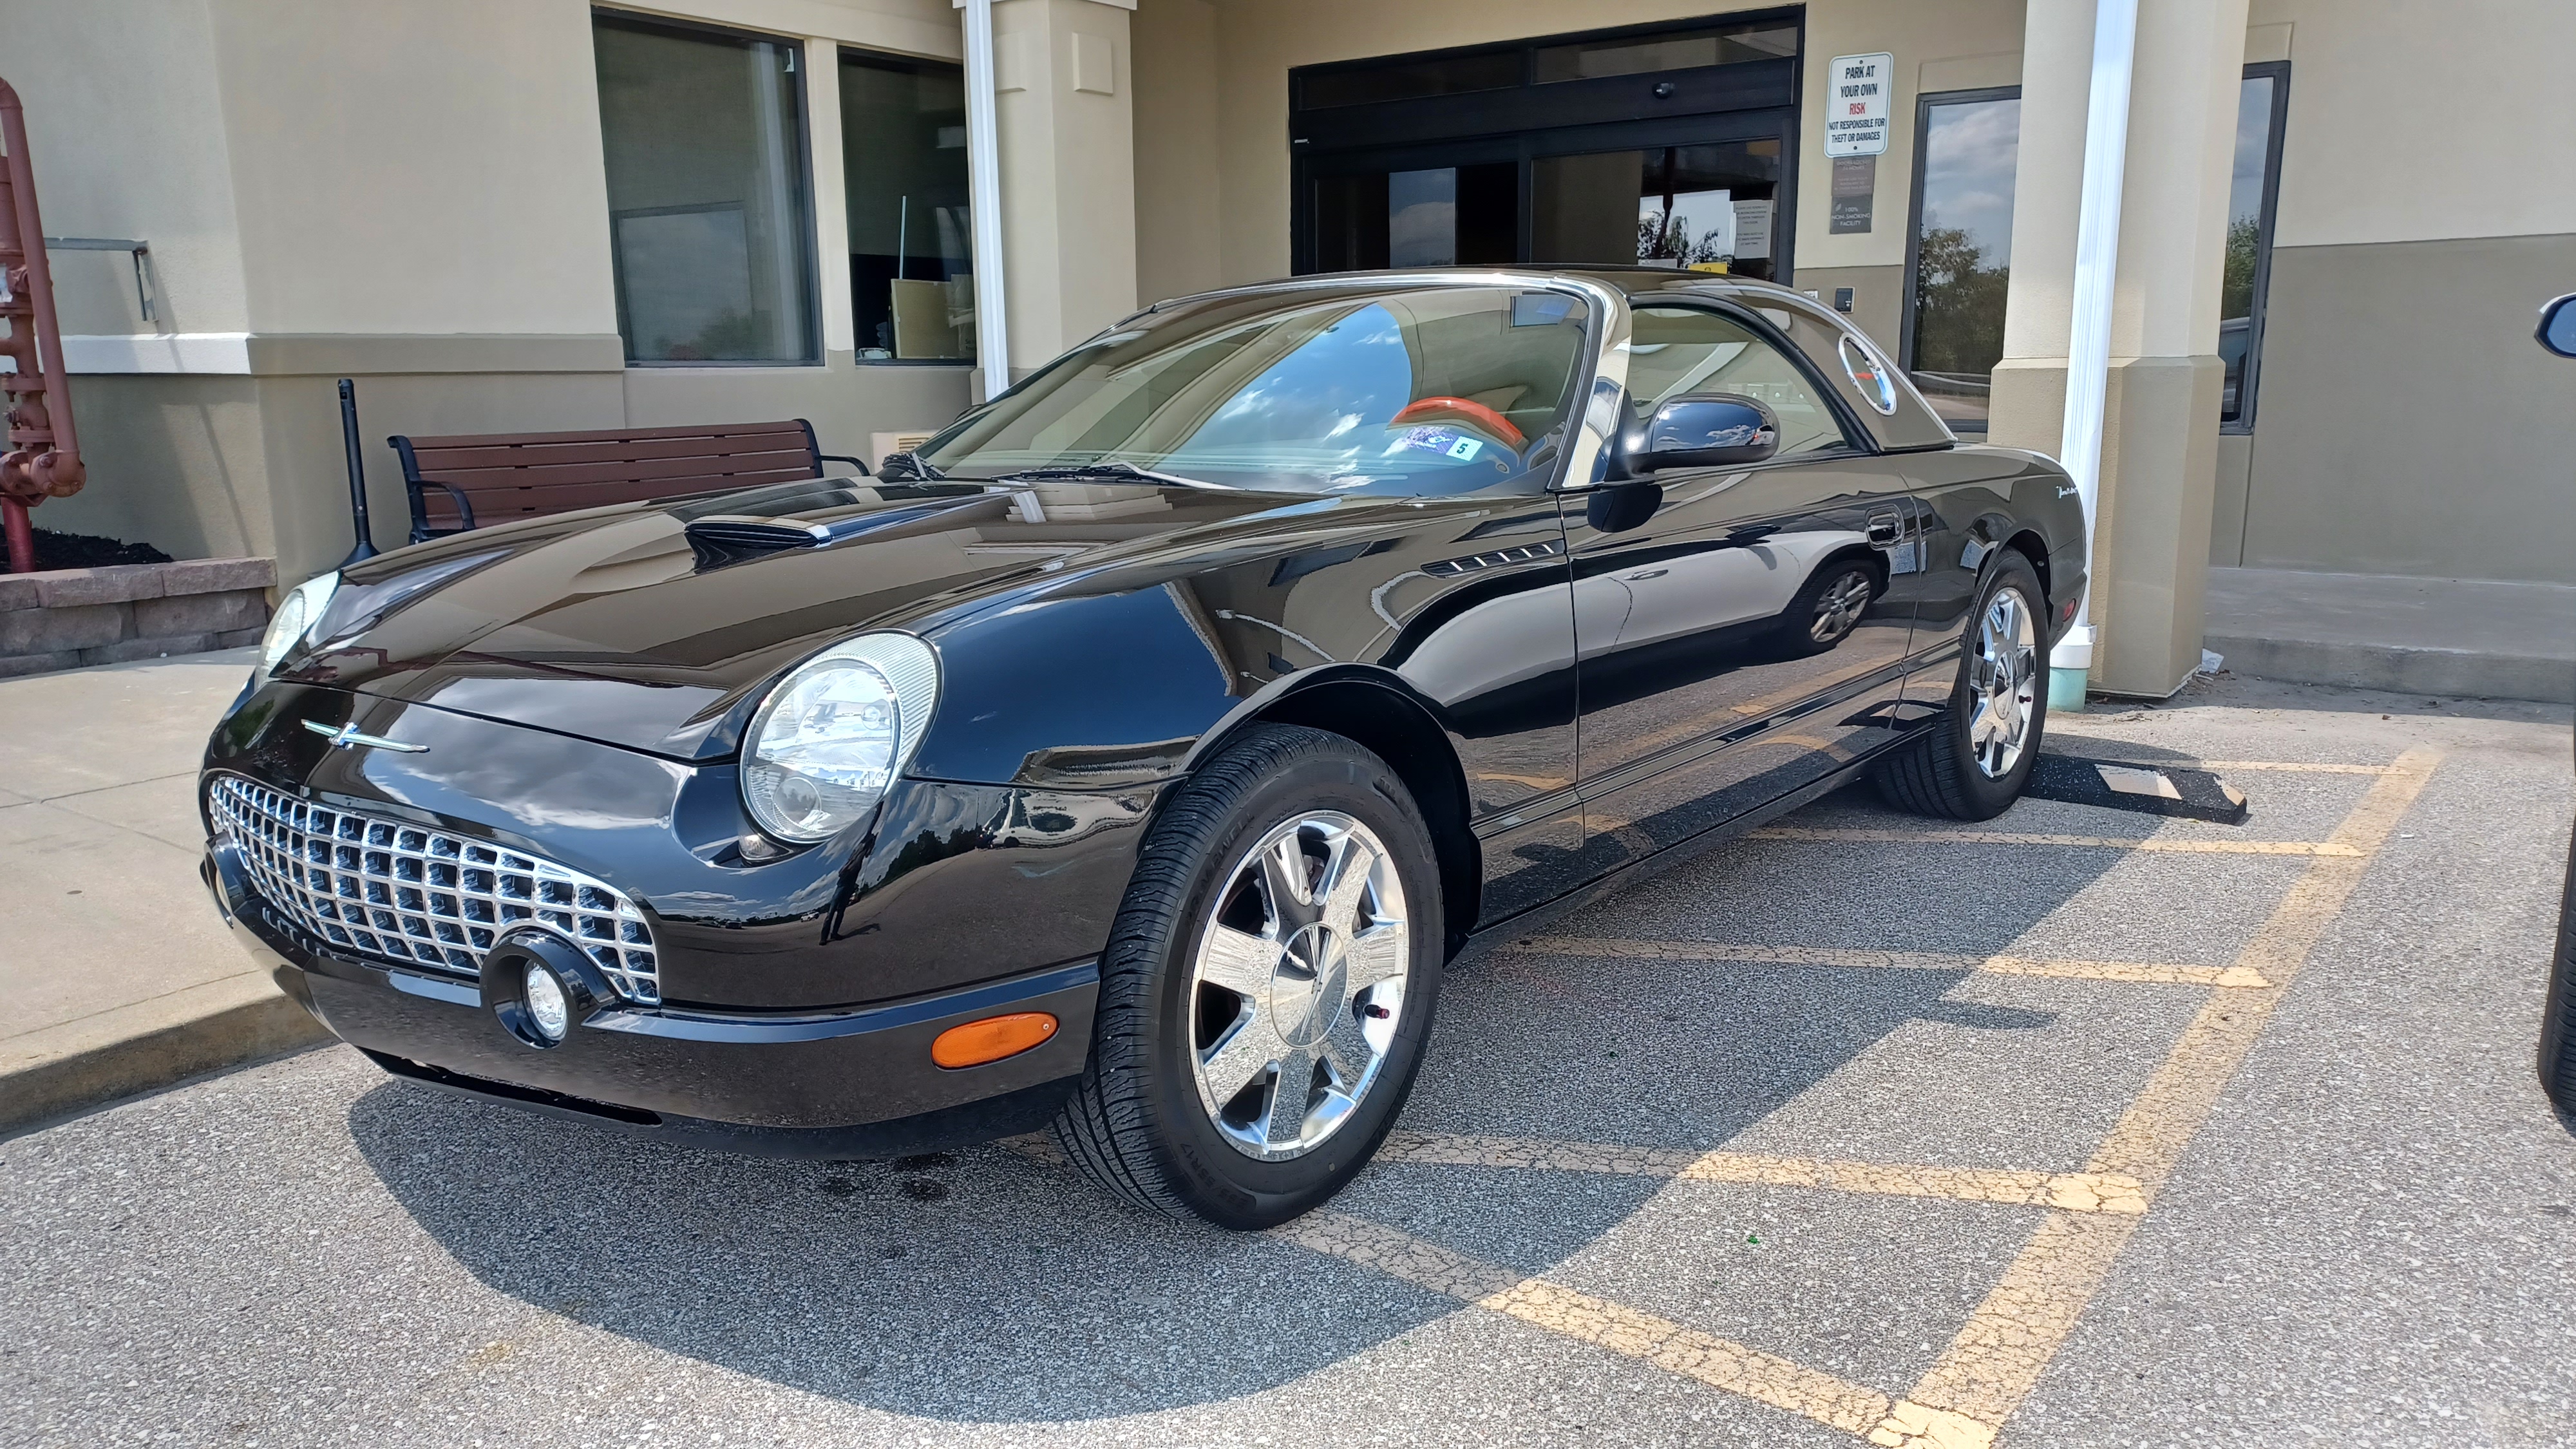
[656, 626]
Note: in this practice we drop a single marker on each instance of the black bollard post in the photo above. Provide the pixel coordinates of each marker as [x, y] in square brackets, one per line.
[366, 548]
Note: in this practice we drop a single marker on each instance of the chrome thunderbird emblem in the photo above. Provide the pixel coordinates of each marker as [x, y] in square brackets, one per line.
[347, 737]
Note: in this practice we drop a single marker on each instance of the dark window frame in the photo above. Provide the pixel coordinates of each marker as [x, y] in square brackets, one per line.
[2266, 216]
[810, 232]
[1529, 46]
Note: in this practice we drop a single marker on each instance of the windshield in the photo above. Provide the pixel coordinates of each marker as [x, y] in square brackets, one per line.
[1423, 391]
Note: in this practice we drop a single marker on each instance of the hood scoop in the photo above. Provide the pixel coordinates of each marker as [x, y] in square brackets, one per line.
[721, 539]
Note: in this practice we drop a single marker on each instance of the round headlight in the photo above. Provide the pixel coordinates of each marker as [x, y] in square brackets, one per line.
[296, 615]
[835, 732]
[548, 1009]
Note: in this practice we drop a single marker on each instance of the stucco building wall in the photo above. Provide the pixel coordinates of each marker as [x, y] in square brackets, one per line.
[411, 192]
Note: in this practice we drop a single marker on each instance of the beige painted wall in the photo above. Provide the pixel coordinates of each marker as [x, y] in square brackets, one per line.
[390, 179]
[2406, 421]
[1064, 79]
[1178, 233]
[2411, 122]
[125, 125]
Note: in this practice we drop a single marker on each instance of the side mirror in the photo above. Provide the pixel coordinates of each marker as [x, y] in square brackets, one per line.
[1618, 507]
[1705, 430]
[2557, 330]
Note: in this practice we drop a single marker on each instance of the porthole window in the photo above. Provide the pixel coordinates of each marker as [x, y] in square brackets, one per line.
[1868, 374]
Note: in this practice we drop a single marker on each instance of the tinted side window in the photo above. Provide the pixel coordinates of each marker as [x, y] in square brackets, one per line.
[1675, 350]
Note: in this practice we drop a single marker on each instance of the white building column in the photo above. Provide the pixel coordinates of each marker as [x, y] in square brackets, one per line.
[2159, 447]
[1065, 128]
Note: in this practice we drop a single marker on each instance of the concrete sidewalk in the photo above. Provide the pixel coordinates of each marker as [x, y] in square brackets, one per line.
[2473, 638]
[116, 974]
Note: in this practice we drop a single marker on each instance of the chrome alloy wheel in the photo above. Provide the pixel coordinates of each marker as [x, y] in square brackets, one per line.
[2003, 676]
[1839, 607]
[1297, 985]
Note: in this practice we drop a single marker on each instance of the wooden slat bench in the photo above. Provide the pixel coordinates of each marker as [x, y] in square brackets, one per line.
[462, 482]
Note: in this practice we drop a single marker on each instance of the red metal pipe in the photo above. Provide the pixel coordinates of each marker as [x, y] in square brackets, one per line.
[22, 536]
[43, 460]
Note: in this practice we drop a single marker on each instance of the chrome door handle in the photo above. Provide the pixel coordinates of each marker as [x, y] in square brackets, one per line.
[1648, 574]
[1886, 528]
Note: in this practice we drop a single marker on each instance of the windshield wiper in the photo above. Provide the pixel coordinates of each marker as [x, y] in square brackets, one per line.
[908, 465]
[1112, 470]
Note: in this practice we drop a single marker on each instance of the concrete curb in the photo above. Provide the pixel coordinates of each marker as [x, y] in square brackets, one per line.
[2457, 673]
[41, 1085]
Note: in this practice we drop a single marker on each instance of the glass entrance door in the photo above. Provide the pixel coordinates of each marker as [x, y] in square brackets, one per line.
[1662, 145]
[1668, 198]
[1709, 206]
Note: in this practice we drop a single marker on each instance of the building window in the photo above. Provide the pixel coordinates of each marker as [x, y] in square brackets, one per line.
[903, 150]
[2262, 107]
[709, 210]
[1959, 255]
[1668, 145]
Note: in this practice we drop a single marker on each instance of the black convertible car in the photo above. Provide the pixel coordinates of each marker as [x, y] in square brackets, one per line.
[1135, 756]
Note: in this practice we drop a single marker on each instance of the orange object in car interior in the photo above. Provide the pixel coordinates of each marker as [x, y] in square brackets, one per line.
[1465, 410]
[992, 1039]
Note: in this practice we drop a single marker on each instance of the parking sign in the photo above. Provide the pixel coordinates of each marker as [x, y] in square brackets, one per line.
[1856, 104]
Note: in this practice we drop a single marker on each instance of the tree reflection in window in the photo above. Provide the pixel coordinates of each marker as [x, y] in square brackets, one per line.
[1962, 251]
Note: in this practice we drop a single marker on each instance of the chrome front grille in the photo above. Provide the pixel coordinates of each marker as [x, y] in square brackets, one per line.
[419, 897]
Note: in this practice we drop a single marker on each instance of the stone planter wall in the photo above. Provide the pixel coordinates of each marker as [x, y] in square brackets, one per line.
[65, 618]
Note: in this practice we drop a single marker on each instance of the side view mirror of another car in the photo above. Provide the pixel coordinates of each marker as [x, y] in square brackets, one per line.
[2557, 330]
[1704, 430]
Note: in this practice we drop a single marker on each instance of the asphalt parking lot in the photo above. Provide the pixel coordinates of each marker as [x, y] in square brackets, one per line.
[2078, 1128]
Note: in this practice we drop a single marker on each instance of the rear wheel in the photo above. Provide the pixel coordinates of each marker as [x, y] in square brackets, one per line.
[1268, 987]
[1973, 762]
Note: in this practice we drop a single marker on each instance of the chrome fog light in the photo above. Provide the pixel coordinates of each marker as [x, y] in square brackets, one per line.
[549, 1010]
[537, 984]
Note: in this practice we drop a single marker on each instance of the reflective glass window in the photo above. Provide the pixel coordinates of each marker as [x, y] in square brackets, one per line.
[1963, 252]
[1674, 350]
[1710, 207]
[903, 154]
[710, 220]
[2259, 114]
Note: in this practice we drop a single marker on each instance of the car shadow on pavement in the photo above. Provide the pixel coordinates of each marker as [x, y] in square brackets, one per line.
[991, 1285]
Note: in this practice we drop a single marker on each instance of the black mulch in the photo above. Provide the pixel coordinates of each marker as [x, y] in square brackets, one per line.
[81, 551]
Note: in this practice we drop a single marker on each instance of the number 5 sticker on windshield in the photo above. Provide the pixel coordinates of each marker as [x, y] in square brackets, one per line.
[1439, 440]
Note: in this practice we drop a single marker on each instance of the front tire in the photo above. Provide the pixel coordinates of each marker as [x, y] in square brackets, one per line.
[2558, 1010]
[1268, 987]
[1974, 762]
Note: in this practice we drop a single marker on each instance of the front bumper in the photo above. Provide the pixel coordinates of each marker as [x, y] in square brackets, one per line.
[854, 1083]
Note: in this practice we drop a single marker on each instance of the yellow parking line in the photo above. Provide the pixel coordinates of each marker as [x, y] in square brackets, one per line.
[2087, 1192]
[2133, 971]
[2187, 844]
[1720, 1363]
[1996, 1358]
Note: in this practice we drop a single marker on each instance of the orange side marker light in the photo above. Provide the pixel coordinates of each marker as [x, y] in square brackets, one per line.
[993, 1038]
